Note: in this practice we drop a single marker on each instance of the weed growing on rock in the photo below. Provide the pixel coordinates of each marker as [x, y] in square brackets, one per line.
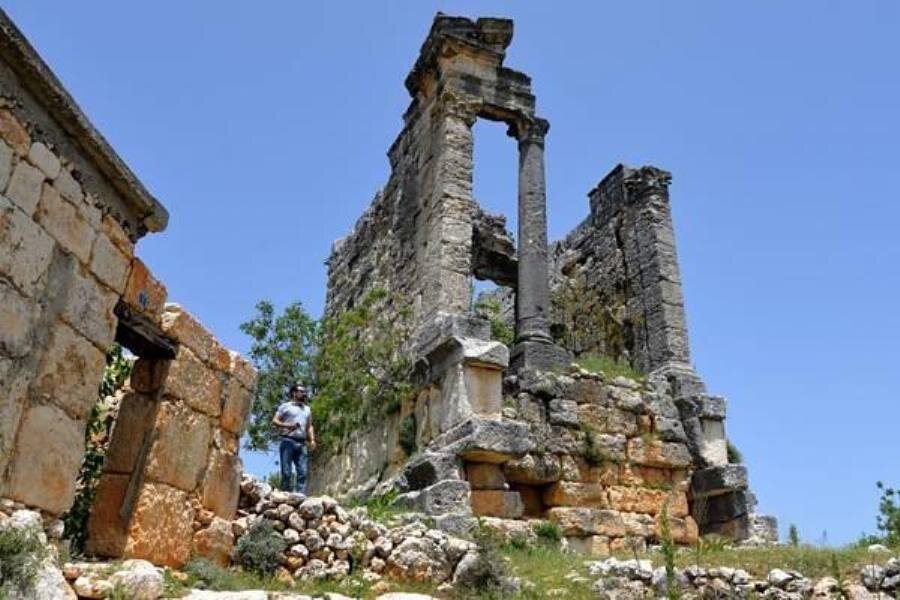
[735, 456]
[793, 536]
[548, 532]
[489, 572]
[259, 550]
[609, 367]
[407, 434]
[669, 550]
[889, 514]
[21, 554]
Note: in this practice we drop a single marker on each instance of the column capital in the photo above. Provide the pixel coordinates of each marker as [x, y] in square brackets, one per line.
[529, 131]
[465, 109]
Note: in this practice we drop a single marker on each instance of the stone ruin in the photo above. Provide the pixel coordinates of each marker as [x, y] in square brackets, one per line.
[513, 433]
[71, 213]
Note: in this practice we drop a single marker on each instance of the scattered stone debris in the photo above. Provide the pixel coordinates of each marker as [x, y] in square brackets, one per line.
[627, 579]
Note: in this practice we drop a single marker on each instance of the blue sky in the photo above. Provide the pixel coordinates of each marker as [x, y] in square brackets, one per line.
[263, 128]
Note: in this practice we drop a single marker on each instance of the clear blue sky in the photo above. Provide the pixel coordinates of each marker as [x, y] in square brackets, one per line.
[263, 128]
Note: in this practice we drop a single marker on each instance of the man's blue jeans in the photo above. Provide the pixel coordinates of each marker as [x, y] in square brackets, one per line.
[293, 457]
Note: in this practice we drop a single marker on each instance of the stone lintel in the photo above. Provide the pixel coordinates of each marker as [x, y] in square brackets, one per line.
[715, 481]
[487, 440]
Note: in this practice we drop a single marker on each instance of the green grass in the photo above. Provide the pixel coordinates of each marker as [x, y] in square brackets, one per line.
[609, 367]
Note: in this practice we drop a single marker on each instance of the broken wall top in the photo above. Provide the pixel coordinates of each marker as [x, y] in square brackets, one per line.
[29, 87]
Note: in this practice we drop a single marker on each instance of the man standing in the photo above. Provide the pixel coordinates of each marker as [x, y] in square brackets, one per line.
[294, 420]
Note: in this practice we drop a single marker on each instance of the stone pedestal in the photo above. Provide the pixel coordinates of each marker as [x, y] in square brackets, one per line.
[540, 356]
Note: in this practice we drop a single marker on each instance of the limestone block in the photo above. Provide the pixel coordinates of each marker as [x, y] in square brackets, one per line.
[109, 263]
[195, 383]
[143, 292]
[106, 529]
[568, 493]
[226, 441]
[118, 236]
[66, 184]
[607, 419]
[89, 309]
[714, 481]
[25, 249]
[683, 530]
[449, 496]
[656, 453]
[714, 445]
[563, 412]
[70, 371]
[592, 545]
[47, 457]
[485, 476]
[427, 468]
[160, 529]
[590, 391]
[65, 223]
[242, 370]
[148, 375]
[41, 157]
[135, 418]
[736, 529]
[13, 396]
[484, 390]
[533, 469]
[238, 401]
[215, 542]
[6, 164]
[609, 447]
[221, 484]
[14, 133]
[179, 451]
[647, 501]
[184, 327]
[532, 500]
[637, 524]
[24, 187]
[497, 503]
[16, 318]
[722, 508]
[578, 521]
[487, 440]
[670, 429]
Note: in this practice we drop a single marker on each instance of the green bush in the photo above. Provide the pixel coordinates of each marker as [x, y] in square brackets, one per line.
[888, 519]
[21, 554]
[259, 549]
[407, 434]
[592, 454]
[609, 367]
[548, 532]
[488, 307]
[793, 536]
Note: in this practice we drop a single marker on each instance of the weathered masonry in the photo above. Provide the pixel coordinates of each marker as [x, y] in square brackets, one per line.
[71, 213]
[515, 433]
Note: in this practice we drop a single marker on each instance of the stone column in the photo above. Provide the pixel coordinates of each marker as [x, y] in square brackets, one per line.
[534, 346]
[533, 294]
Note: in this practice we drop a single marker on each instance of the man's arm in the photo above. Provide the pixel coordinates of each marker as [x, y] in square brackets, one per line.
[310, 434]
[276, 420]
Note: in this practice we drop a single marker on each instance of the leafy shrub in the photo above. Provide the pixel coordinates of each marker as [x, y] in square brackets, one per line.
[490, 570]
[260, 548]
[407, 434]
[96, 441]
[381, 508]
[735, 456]
[21, 554]
[668, 549]
[353, 361]
[489, 308]
[548, 532]
[274, 479]
[209, 574]
[609, 367]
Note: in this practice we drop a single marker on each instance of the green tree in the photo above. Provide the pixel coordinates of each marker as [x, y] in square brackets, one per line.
[283, 350]
[889, 518]
[352, 361]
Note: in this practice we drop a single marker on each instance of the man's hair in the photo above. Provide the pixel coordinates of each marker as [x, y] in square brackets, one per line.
[296, 387]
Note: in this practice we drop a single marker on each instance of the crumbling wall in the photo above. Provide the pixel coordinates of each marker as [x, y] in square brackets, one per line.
[71, 213]
[173, 461]
[615, 278]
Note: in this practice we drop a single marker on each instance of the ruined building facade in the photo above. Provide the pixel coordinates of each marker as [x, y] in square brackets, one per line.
[71, 213]
[516, 432]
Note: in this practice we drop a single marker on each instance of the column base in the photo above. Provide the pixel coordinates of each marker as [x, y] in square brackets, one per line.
[540, 356]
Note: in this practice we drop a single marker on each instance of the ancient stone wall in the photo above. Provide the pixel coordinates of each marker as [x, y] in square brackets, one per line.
[70, 285]
[615, 278]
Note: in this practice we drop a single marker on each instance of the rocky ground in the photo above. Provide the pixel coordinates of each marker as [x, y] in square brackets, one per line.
[335, 552]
